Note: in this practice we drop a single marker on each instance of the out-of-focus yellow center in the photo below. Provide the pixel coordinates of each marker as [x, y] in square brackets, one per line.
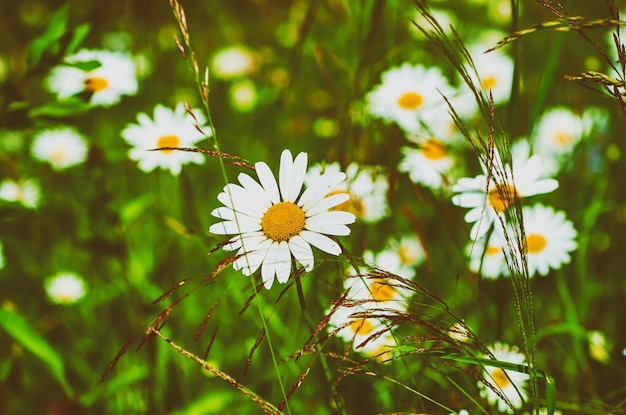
[353, 205]
[361, 326]
[382, 291]
[493, 250]
[500, 378]
[96, 84]
[283, 221]
[410, 101]
[489, 82]
[563, 139]
[536, 243]
[502, 196]
[433, 149]
[168, 141]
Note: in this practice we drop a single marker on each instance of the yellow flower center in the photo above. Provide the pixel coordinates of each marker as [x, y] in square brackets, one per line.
[96, 84]
[536, 243]
[502, 196]
[410, 101]
[493, 250]
[500, 378]
[433, 149]
[168, 141]
[282, 221]
[58, 156]
[489, 82]
[563, 139]
[361, 326]
[382, 291]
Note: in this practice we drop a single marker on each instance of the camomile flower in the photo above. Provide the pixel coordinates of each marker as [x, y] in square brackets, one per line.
[550, 237]
[489, 198]
[557, 133]
[510, 383]
[495, 72]
[488, 259]
[409, 95]
[377, 292]
[366, 185]
[168, 128]
[65, 288]
[365, 334]
[61, 147]
[429, 164]
[275, 221]
[26, 192]
[104, 74]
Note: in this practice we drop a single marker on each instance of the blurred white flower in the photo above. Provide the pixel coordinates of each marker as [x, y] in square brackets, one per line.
[428, 164]
[115, 76]
[243, 95]
[61, 147]
[556, 135]
[550, 237]
[488, 259]
[65, 288]
[488, 199]
[409, 95]
[27, 192]
[232, 62]
[510, 383]
[168, 128]
[495, 72]
[599, 348]
[365, 334]
[366, 185]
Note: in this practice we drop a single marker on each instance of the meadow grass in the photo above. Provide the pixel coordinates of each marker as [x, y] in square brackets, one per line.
[117, 299]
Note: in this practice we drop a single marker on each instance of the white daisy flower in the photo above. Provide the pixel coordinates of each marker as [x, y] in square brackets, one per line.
[366, 185]
[26, 192]
[495, 72]
[65, 288]
[243, 95]
[409, 95]
[61, 147]
[427, 165]
[359, 330]
[378, 292]
[511, 384]
[232, 62]
[169, 128]
[550, 237]
[501, 191]
[489, 259]
[557, 133]
[116, 76]
[274, 221]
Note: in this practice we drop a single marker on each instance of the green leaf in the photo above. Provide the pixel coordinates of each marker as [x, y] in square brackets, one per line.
[24, 334]
[56, 28]
[70, 106]
[78, 35]
[121, 381]
[85, 66]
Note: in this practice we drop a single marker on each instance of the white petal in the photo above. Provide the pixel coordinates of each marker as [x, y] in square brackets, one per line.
[320, 188]
[338, 230]
[302, 251]
[255, 189]
[223, 213]
[236, 198]
[285, 174]
[469, 199]
[266, 177]
[251, 241]
[250, 262]
[321, 242]
[268, 270]
[330, 218]
[283, 262]
[540, 187]
[327, 203]
[230, 227]
[296, 178]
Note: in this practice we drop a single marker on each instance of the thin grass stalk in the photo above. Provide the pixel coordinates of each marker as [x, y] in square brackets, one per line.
[203, 89]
